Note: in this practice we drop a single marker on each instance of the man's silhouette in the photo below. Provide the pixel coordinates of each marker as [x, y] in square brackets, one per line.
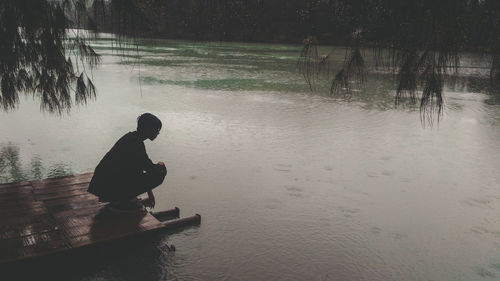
[126, 170]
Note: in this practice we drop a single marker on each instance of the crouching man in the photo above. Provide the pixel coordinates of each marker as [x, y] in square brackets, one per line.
[126, 170]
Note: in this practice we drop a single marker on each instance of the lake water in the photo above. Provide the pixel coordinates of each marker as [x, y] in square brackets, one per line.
[291, 185]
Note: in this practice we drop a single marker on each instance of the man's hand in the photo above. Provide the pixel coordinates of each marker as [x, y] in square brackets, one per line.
[150, 202]
[161, 163]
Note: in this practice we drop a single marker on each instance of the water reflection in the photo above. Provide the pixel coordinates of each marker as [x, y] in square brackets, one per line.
[10, 165]
[493, 99]
[13, 170]
[473, 84]
[376, 93]
[37, 167]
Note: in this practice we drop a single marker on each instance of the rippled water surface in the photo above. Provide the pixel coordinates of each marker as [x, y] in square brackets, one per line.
[291, 185]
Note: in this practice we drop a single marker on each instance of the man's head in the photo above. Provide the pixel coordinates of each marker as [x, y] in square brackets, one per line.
[148, 126]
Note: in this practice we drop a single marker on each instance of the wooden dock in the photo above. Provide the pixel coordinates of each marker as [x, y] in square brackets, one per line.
[43, 217]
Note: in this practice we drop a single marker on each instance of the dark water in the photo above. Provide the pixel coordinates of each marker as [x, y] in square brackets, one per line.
[291, 185]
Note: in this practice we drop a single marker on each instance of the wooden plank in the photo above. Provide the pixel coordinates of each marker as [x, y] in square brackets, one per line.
[89, 211]
[54, 215]
[13, 202]
[19, 216]
[60, 195]
[43, 225]
[73, 199]
[77, 199]
[61, 188]
[94, 217]
[107, 225]
[62, 181]
[166, 215]
[75, 206]
[104, 236]
[22, 212]
[5, 197]
[42, 248]
[71, 205]
[41, 238]
[25, 220]
[14, 184]
[26, 204]
[14, 231]
[183, 222]
[16, 189]
[63, 178]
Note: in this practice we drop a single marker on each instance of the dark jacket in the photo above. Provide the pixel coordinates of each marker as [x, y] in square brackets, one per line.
[121, 168]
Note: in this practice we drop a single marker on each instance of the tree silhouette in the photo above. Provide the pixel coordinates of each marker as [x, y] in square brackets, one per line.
[39, 57]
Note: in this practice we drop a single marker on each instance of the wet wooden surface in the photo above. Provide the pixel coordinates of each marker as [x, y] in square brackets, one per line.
[42, 217]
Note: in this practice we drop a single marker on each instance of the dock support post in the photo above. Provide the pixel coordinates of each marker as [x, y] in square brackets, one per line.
[177, 223]
[166, 215]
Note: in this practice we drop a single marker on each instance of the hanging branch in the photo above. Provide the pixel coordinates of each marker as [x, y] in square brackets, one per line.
[353, 71]
[495, 65]
[308, 61]
[38, 56]
[431, 103]
[407, 77]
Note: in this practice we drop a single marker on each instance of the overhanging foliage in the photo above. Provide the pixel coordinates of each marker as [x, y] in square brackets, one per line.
[39, 57]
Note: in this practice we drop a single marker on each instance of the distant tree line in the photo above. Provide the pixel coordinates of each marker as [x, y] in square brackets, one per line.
[420, 40]
[330, 21]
